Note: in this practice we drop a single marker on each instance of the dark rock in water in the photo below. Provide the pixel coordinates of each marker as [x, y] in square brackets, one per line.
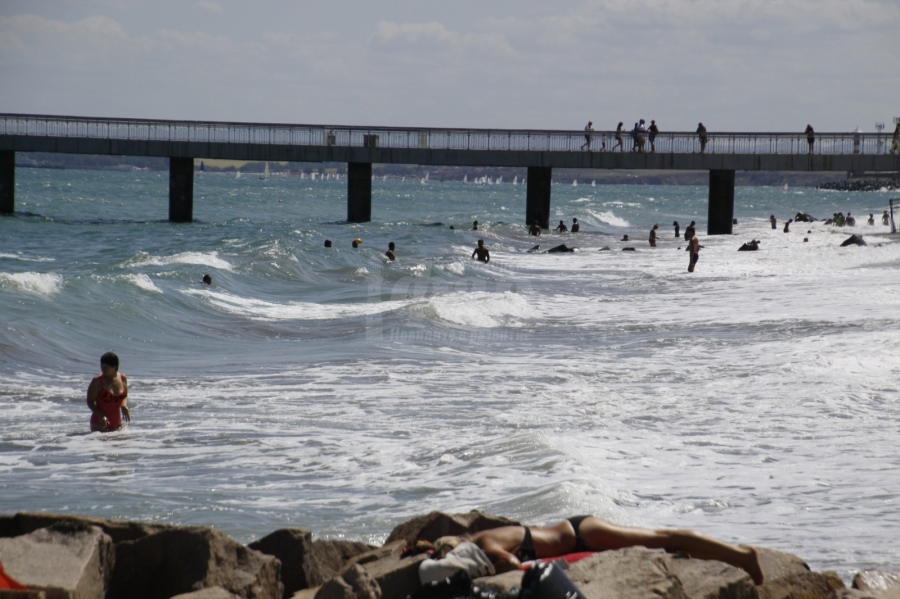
[853, 240]
[750, 246]
[803, 217]
[877, 581]
[605, 248]
[561, 249]
[536, 248]
[628, 249]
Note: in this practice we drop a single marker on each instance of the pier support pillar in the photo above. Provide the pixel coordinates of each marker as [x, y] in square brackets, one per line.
[721, 202]
[537, 196]
[181, 190]
[7, 181]
[359, 192]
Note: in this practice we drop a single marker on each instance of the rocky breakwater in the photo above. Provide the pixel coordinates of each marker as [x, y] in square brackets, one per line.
[58, 556]
[867, 184]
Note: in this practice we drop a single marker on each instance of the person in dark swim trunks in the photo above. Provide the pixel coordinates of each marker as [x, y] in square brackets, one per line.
[508, 546]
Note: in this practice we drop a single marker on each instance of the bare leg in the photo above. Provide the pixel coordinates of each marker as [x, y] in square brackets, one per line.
[602, 535]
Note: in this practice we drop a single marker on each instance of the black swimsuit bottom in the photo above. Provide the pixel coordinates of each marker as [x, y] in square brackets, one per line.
[526, 551]
[580, 544]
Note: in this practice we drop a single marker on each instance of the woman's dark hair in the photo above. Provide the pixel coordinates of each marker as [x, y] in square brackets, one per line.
[110, 359]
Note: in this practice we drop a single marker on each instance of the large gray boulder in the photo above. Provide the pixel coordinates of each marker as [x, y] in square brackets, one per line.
[183, 560]
[210, 593]
[353, 583]
[396, 576]
[118, 530]
[66, 560]
[305, 563]
[637, 572]
[803, 585]
[438, 524]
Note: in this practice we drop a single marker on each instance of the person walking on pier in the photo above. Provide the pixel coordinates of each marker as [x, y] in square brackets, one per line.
[810, 137]
[895, 145]
[588, 129]
[482, 252]
[618, 138]
[654, 131]
[701, 135]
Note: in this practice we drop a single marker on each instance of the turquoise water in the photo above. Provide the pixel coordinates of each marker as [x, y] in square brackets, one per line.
[755, 399]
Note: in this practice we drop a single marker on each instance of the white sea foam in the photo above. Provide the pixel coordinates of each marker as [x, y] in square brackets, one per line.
[609, 218]
[25, 258]
[483, 309]
[37, 283]
[144, 282]
[210, 259]
[273, 311]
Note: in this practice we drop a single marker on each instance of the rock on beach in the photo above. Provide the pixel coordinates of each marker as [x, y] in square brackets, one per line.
[61, 556]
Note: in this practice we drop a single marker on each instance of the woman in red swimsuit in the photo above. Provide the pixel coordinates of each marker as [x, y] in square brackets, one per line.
[107, 396]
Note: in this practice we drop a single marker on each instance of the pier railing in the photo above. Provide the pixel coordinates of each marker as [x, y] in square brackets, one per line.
[852, 142]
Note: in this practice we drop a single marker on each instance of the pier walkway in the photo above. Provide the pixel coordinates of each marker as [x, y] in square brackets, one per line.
[539, 151]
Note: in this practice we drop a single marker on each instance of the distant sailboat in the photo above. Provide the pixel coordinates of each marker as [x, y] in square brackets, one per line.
[465, 178]
[516, 180]
[237, 175]
[499, 179]
[425, 179]
[265, 174]
[594, 183]
[574, 182]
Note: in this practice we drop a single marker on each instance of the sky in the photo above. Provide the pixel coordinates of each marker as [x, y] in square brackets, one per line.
[735, 65]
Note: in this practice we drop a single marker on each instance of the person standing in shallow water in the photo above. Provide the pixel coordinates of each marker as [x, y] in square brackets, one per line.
[689, 232]
[107, 396]
[653, 236]
[482, 252]
[694, 248]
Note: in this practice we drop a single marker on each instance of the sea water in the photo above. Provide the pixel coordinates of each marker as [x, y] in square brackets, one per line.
[755, 399]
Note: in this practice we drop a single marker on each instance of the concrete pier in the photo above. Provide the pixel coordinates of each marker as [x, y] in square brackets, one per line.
[539, 151]
[359, 192]
[7, 182]
[537, 196]
[721, 202]
[181, 190]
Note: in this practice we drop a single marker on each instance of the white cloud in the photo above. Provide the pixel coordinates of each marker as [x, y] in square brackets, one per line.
[739, 64]
[210, 7]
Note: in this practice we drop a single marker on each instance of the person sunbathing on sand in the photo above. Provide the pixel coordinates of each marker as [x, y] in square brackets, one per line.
[509, 546]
